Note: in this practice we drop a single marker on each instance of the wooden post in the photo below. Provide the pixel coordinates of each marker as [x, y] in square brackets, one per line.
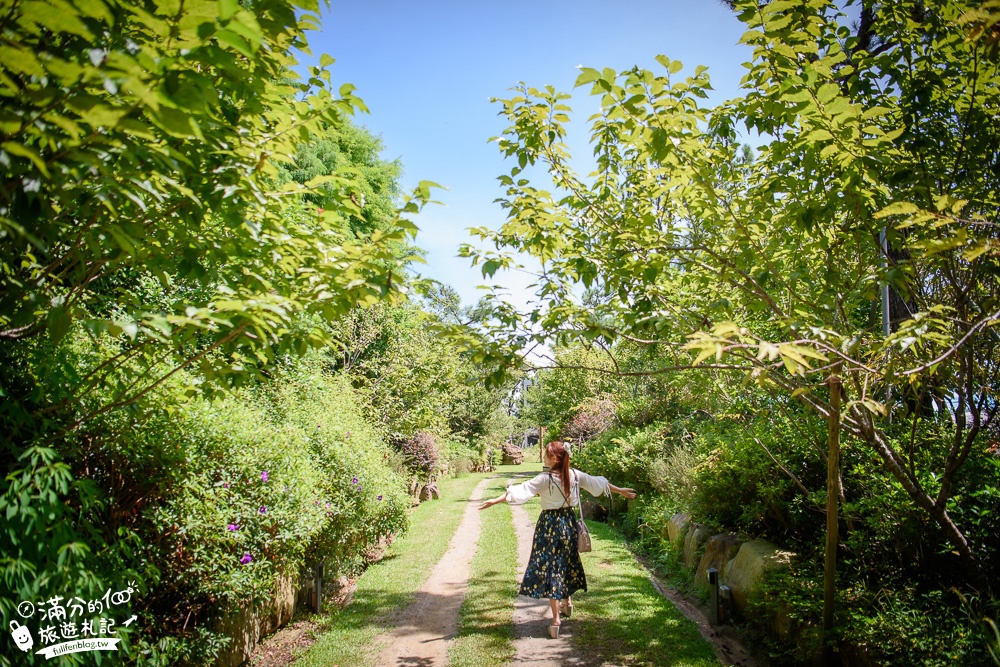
[541, 432]
[832, 515]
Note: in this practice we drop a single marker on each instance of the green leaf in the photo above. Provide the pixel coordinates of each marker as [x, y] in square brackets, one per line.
[897, 208]
[20, 150]
[230, 38]
[125, 242]
[819, 134]
[20, 60]
[827, 92]
[490, 267]
[59, 17]
[175, 122]
[59, 321]
[228, 9]
[798, 96]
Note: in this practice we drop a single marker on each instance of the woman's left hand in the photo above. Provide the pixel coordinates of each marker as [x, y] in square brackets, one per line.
[628, 493]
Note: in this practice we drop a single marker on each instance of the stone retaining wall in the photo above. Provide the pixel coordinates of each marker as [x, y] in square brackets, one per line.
[742, 563]
[249, 624]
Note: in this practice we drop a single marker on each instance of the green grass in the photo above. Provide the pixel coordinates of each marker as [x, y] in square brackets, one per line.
[622, 616]
[346, 637]
[485, 625]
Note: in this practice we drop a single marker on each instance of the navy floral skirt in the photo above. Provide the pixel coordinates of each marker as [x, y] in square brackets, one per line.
[554, 569]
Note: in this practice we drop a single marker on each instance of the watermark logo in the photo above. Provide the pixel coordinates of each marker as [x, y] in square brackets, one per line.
[71, 624]
[79, 646]
[22, 636]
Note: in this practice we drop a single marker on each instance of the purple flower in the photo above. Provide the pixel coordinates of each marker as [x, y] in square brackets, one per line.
[263, 509]
[328, 505]
[359, 487]
[263, 476]
[246, 559]
[231, 527]
[348, 436]
[316, 503]
[380, 496]
[226, 485]
[354, 480]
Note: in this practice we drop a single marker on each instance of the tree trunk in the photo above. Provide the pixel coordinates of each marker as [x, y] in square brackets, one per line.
[937, 511]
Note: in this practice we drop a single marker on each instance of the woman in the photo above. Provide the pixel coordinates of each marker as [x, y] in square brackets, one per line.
[554, 569]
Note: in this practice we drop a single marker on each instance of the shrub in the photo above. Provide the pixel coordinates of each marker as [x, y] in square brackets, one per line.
[593, 417]
[421, 454]
[898, 625]
[205, 503]
[458, 457]
[625, 456]
[739, 486]
[673, 475]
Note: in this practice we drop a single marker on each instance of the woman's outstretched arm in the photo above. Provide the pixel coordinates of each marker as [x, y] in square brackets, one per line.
[494, 501]
[596, 485]
[628, 493]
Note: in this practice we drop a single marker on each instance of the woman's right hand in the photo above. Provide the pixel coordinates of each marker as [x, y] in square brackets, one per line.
[491, 503]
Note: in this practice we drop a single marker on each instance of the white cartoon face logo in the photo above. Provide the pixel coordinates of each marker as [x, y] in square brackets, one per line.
[21, 635]
[26, 609]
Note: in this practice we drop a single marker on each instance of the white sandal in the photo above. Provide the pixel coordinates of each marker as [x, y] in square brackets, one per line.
[566, 609]
[554, 631]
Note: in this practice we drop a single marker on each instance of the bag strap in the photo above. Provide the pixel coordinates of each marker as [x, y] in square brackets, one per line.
[566, 500]
[579, 497]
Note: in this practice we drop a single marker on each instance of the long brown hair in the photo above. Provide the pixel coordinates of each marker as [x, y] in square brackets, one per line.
[559, 456]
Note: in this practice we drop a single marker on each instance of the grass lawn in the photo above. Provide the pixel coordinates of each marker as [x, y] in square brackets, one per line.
[346, 637]
[622, 616]
[485, 625]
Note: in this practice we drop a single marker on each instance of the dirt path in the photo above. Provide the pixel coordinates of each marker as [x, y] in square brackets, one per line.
[424, 630]
[532, 617]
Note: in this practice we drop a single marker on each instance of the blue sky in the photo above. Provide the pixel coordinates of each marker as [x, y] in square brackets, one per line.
[427, 70]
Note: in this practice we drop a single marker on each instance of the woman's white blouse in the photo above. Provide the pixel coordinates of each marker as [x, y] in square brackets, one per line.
[552, 493]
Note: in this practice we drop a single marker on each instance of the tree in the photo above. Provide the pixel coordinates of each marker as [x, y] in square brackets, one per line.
[148, 238]
[144, 142]
[352, 151]
[766, 267]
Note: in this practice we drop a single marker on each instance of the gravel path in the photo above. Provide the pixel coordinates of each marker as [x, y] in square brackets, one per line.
[424, 630]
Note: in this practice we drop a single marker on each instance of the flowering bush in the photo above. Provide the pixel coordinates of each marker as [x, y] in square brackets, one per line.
[206, 504]
[421, 454]
[592, 417]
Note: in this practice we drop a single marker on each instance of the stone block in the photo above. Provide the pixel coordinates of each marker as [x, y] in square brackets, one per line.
[248, 624]
[696, 536]
[675, 529]
[593, 510]
[719, 550]
[746, 571]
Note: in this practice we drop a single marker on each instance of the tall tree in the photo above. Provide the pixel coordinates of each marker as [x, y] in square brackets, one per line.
[767, 266]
